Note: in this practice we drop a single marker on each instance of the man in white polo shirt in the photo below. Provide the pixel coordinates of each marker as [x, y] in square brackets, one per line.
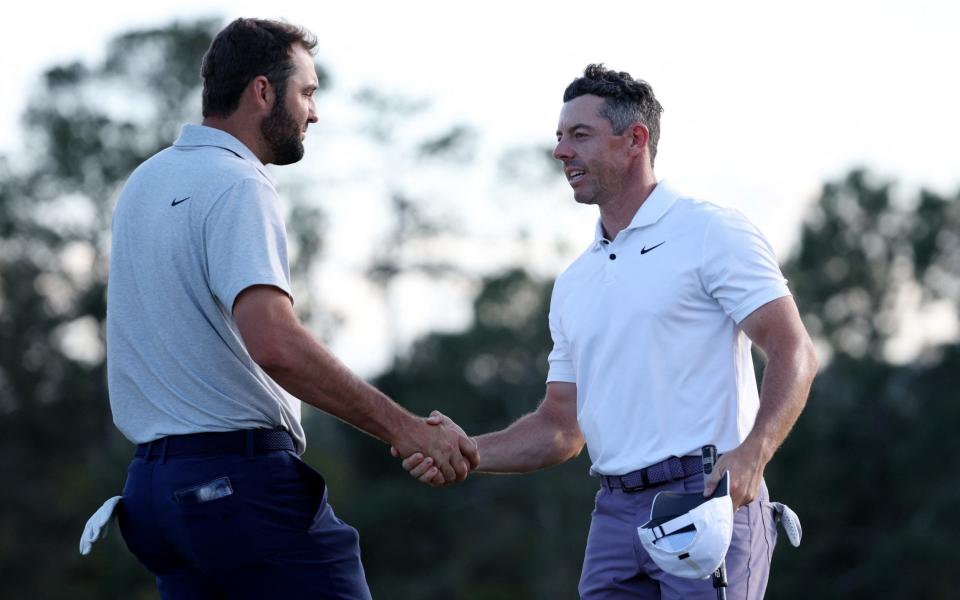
[652, 328]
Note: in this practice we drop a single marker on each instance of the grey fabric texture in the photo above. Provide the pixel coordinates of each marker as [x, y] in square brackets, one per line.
[194, 226]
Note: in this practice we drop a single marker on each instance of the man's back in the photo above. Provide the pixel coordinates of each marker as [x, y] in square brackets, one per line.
[195, 225]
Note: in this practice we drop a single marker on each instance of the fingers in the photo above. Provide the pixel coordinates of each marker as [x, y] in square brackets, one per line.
[461, 467]
[711, 483]
[445, 464]
[412, 461]
[743, 476]
[452, 454]
[432, 477]
[470, 451]
[418, 470]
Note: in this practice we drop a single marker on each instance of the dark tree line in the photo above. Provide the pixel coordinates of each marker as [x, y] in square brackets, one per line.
[869, 467]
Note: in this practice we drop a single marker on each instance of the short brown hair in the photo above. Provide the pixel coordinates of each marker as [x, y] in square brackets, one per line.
[626, 100]
[244, 49]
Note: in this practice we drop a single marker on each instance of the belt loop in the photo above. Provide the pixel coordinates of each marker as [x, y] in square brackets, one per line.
[146, 456]
[163, 450]
[249, 440]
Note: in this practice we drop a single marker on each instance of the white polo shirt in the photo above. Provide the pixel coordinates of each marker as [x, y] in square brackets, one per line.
[647, 327]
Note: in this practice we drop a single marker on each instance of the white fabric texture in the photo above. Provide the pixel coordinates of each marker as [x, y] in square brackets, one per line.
[647, 326]
[697, 554]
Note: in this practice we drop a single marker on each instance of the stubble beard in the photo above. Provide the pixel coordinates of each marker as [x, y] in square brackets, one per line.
[597, 195]
[282, 134]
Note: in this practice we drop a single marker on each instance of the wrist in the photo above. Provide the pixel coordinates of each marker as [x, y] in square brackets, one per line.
[404, 434]
[759, 447]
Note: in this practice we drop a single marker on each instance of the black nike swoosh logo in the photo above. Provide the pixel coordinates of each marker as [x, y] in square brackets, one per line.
[182, 200]
[644, 250]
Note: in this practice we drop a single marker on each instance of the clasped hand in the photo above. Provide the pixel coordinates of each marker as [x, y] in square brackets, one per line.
[448, 456]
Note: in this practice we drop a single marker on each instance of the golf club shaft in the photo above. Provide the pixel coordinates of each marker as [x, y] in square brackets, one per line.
[719, 577]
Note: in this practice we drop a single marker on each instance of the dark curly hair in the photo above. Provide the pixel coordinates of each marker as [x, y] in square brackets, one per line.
[244, 49]
[627, 100]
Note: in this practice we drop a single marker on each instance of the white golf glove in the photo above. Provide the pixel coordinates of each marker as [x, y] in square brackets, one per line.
[98, 525]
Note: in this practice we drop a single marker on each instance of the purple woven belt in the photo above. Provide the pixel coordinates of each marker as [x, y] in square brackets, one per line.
[672, 469]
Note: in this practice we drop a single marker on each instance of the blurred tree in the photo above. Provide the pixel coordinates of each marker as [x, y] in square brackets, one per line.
[867, 263]
[404, 249]
[864, 466]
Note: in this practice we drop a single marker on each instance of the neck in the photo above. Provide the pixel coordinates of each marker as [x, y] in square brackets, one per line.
[617, 212]
[242, 129]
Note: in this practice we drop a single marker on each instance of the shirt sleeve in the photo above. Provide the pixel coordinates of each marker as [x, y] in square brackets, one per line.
[560, 360]
[246, 241]
[739, 268]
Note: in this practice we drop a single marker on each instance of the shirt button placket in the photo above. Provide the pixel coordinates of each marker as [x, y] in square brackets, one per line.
[609, 270]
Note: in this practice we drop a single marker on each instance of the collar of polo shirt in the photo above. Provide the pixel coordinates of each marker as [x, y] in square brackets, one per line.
[201, 135]
[653, 208]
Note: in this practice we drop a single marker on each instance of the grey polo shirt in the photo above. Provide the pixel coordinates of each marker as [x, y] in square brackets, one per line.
[195, 225]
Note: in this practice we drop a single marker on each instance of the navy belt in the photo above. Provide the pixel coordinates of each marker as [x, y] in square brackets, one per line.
[246, 441]
[672, 469]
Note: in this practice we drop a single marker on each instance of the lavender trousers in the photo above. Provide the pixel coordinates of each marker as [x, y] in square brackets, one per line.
[616, 567]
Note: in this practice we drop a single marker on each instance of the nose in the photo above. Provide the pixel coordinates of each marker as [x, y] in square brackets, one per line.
[312, 115]
[563, 152]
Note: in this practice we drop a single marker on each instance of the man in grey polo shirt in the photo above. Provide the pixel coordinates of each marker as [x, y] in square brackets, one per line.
[652, 328]
[208, 363]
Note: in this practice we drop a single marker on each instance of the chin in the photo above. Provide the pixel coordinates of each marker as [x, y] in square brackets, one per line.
[583, 198]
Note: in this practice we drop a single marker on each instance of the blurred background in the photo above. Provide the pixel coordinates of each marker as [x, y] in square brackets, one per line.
[427, 222]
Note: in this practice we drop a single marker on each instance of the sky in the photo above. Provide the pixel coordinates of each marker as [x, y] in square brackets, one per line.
[763, 103]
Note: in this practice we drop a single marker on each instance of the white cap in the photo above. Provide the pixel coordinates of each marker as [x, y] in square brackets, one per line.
[688, 535]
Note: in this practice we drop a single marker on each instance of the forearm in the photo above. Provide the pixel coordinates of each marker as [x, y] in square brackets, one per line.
[783, 394]
[540, 439]
[310, 372]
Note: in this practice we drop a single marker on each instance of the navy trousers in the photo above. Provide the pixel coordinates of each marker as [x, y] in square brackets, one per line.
[239, 523]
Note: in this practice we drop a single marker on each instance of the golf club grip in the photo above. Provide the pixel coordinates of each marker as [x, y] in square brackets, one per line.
[709, 456]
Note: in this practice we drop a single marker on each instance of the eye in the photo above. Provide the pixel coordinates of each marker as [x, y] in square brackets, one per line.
[580, 135]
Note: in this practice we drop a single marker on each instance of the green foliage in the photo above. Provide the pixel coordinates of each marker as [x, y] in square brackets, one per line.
[867, 466]
[861, 251]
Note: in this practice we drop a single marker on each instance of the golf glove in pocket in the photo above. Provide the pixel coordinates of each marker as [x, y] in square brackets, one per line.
[98, 525]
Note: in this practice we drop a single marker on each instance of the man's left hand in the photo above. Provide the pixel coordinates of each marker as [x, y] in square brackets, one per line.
[746, 472]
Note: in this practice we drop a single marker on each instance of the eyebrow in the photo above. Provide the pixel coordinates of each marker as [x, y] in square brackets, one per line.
[573, 128]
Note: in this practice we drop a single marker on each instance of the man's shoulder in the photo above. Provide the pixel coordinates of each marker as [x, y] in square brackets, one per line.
[692, 207]
[212, 168]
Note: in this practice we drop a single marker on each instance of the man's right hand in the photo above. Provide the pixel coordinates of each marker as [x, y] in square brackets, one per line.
[440, 452]
[427, 468]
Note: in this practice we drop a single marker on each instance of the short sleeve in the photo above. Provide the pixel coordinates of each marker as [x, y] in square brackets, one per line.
[559, 359]
[739, 268]
[246, 241]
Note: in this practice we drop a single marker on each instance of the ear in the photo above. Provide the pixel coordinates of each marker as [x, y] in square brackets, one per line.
[261, 92]
[639, 137]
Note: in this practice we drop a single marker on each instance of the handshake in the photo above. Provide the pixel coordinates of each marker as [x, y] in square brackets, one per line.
[444, 455]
